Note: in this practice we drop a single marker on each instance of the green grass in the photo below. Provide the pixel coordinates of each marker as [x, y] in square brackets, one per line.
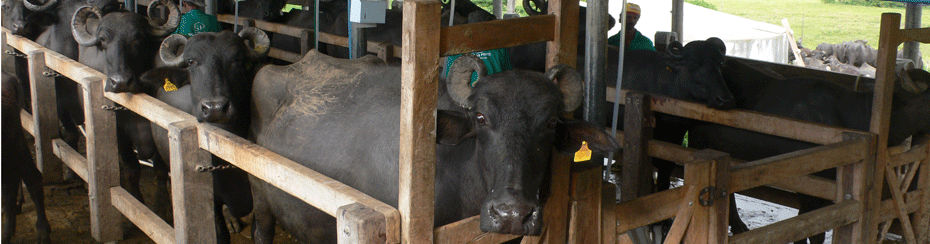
[817, 22]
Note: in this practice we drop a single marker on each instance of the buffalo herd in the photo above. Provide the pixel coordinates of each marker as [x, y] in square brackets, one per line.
[340, 117]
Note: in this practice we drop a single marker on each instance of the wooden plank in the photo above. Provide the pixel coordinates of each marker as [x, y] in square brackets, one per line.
[900, 205]
[61, 64]
[152, 109]
[25, 118]
[793, 43]
[555, 212]
[608, 218]
[261, 24]
[357, 223]
[70, 157]
[468, 231]
[468, 38]
[102, 162]
[419, 70]
[586, 210]
[142, 216]
[636, 178]
[307, 185]
[699, 174]
[683, 217]
[802, 162]
[191, 191]
[809, 185]
[745, 119]
[563, 49]
[803, 225]
[916, 153]
[773, 195]
[284, 55]
[648, 209]
[709, 171]
[916, 34]
[851, 181]
[922, 215]
[889, 213]
[45, 117]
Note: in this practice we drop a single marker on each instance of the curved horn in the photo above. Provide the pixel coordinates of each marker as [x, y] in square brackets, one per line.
[260, 44]
[79, 25]
[719, 44]
[901, 69]
[38, 8]
[459, 78]
[174, 18]
[542, 5]
[172, 50]
[570, 83]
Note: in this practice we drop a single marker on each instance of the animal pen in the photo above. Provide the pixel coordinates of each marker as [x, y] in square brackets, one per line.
[581, 208]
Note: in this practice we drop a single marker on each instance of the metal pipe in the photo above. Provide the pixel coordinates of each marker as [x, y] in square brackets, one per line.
[236, 26]
[210, 6]
[316, 23]
[678, 18]
[912, 20]
[498, 9]
[595, 62]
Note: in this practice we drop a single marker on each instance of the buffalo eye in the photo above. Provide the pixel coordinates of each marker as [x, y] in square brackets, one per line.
[191, 62]
[481, 119]
[552, 123]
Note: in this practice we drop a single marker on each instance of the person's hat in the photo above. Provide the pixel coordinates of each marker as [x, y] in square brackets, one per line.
[632, 9]
[199, 3]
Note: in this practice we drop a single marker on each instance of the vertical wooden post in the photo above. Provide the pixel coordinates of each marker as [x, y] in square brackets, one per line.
[921, 218]
[102, 162]
[306, 41]
[585, 224]
[881, 117]
[564, 48]
[637, 165]
[44, 117]
[357, 223]
[709, 172]
[608, 217]
[191, 191]
[420, 76]
[555, 212]
[851, 186]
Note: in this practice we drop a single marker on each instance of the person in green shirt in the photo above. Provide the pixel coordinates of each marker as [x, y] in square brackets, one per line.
[195, 20]
[496, 61]
[634, 39]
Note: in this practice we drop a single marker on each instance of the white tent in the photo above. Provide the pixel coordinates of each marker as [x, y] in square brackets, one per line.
[744, 37]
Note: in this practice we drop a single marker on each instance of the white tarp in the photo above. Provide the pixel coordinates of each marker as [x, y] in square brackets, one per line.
[744, 37]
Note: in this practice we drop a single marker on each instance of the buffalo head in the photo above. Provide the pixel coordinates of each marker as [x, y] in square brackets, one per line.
[125, 40]
[512, 119]
[699, 73]
[218, 67]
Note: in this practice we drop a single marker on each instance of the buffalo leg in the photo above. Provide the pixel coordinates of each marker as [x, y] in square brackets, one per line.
[9, 193]
[131, 169]
[162, 195]
[263, 220]
[33, 179]
[219, 222]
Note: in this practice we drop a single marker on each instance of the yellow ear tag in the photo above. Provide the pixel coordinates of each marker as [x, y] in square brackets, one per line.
[583, 154]
[169, 86]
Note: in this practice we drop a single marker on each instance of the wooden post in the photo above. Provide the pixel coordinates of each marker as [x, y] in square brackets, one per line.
[608, 218]
[191, 191]
[45, 117]
[709, 172]
[563, 49]
[555, 212]
[102, 162]
[359, 224]
[385, 51]
[420, 76]
[881, 117]
[851, 186]
[922, 216]
[793, 44]
[306, 41]
[585, 224]
[637, 165]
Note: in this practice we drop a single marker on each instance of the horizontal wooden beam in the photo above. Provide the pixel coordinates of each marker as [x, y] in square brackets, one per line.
[802, 226]
[70, 157]
[744, 119]
[916, 153]
[888, 206]
[467, 231]
[25, 119]
[496, 34]
[261, 24]
[648, 209]
[284, 55]
[310, 186]
[809, 185]
[802, 162]
[65, 66]
[152, 109]
[916, 34]
[142, 216]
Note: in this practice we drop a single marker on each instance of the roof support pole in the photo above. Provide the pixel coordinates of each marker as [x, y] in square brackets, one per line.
[678, 15]
[912, 20]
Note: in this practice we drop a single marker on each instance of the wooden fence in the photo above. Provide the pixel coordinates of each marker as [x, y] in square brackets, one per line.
[581, 209]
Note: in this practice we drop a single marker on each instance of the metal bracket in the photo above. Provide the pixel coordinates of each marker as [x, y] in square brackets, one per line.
[214, 168]
[709, 194]
[15, 53]
[51, 73]
[113, 108]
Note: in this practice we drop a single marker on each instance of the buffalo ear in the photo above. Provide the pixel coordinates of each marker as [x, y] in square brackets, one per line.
[452, 127]
[570, 135]
[156, 77]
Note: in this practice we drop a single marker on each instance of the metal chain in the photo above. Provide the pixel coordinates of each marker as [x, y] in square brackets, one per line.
[15, 53]
[214, 168]
[113, 108]
[51, 73]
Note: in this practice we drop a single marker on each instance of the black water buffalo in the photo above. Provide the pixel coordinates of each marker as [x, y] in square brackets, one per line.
[809, 100]
[19, 167]
[213, 76]
[123, 45]
[340, 118]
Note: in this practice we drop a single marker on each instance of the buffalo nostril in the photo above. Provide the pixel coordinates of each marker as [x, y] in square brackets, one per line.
[214, 108]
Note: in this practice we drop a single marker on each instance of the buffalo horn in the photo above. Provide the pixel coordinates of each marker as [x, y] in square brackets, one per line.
[172, 50]
[570, 83]
[38, 8]
[719, 44]
[257, 40]
[542, 5]
[460, 77]
[79, 25]
[902, 68]
[174, 18]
